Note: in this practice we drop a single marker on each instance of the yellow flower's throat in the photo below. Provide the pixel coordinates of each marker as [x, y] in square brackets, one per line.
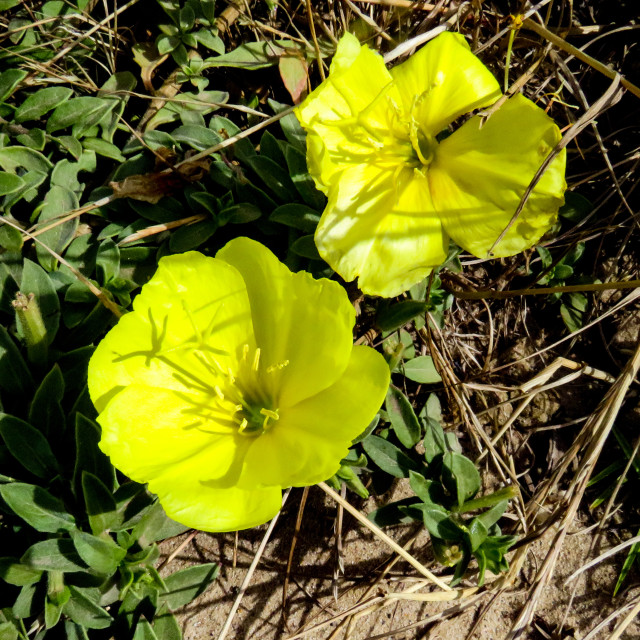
[245, 394]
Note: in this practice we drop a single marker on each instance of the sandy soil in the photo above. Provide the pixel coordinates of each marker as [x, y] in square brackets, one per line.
[563, 613]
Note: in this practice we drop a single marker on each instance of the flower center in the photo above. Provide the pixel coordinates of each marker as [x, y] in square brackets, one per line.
[424, 145]
[245, 394]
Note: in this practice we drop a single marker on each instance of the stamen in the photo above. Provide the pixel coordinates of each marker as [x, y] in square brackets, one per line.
[245, 351]
[270, 414]
[232, 378]
[219, 393]
[256, 360]
[243, 425]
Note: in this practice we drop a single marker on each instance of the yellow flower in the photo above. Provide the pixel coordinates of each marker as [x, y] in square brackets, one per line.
[396, 193]
[231, 379]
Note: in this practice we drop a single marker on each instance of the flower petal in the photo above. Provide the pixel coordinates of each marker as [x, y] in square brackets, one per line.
[146, 429]
[191, 302]
[479, 176]
[348, 114]
[302, 326]
[306, 445]
[201, 506]
[452, 78]
[380, 224]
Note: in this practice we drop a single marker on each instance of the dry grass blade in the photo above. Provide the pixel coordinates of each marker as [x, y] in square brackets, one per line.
[384, 537]
[250, 571]
[590, 442]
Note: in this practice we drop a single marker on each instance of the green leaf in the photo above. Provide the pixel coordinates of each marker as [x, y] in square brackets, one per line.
[144, 631]
[108, 260]
[435, 442]
[306, 247]
[192, 236]
[102, 554]
[302, 181]
[71, 144]
[187, 584]
[166, 626]
[297, 216]
[422, 370]
[251, 55]
[571, 317]
[18, 574]
[100, 504]
[45, 412]
[75, 631]
[460, 476]
[54, 555]
[477, 533]
[155, 525]
[242, 149]
[401, 512]
[10, 78]
[422, 487]
[10, 239]
[85, 612]
[41, 102]
[103, 148]
[58, 201]
[15, 377]
[12, 158]
[52, 613]
[209, 40]
[28, 446]
[26, 604]
[196, 136]
[240, 213]
[166, 44]
[392, 317]
[290, 126]
[9, 182]
[274, 177]
[89, 457]
[437, 521]
[402, 417]
[35, 280]
[576, 207]
[38, 507]
[34, 138]
[388, 457]
[85, 111]
[626, 567]
[369, 430]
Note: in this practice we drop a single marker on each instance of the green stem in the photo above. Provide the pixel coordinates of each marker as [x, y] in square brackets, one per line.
[489, 500]
[30, 321]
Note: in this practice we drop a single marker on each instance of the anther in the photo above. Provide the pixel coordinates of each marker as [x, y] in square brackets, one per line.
[218, 391]
[270, 414]
[243, 425]
[245, 351]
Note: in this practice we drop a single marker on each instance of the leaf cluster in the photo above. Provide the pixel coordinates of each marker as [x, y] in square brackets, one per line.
[445, 483]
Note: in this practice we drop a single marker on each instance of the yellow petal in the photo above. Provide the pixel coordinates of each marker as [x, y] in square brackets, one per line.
[479, 176]
[191, 302]
[356, 77]
[302, 326]
[201, 506]
[350, 113]
[306, 445]
[146, 430]
[380, 225]
[451, 80]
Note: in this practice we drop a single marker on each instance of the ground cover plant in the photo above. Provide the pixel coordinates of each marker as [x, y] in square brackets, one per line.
[173, 176]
